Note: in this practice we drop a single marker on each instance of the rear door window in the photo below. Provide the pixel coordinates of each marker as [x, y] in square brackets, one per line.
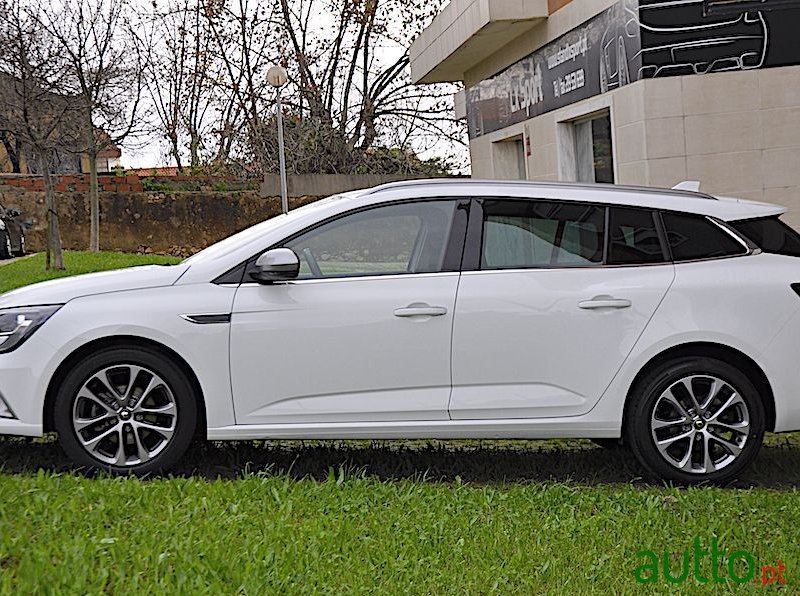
[633, 237]
[520, 234]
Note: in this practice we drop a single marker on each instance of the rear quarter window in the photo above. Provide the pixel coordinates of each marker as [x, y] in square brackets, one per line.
[771, 235]
[695, 237]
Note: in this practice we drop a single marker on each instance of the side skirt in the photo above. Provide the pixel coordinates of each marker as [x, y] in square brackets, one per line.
[544, 428]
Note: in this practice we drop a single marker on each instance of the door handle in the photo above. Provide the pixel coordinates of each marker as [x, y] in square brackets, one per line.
[604, 302]
[420, 309]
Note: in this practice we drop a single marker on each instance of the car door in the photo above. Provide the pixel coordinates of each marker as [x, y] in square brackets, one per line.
[549, 311]
[363, 334]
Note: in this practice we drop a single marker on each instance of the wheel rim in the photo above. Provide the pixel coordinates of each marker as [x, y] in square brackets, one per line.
[124, 415]
[700, 424]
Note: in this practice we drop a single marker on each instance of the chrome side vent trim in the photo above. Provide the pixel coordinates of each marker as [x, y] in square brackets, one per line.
[207, 319]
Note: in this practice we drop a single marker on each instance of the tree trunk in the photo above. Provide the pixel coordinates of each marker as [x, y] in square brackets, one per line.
[54, 254]
[175, 150]
[94, 199]
[13, 150]
[194, 151]
[94, 203]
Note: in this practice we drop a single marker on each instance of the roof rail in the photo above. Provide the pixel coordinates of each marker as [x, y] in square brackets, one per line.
[536, 184]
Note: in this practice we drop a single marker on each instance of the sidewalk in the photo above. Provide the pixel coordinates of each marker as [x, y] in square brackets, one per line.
[9, 261]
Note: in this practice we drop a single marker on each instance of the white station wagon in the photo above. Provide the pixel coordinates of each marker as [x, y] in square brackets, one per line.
[442, 309]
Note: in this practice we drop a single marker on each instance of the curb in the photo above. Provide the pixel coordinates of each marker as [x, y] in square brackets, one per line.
[15, 259]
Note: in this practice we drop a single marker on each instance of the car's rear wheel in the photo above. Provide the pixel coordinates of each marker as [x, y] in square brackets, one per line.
[126, 410]
[695, 420]
[21, 252]
[5, 245]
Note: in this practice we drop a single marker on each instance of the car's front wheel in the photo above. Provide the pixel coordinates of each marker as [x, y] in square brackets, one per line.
[695, 420]
[126, 410]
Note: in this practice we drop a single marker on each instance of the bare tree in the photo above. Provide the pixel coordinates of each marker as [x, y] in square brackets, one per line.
[350, 91]
[355, 74]
[104, 66]
[181, 78]
[34, 110]
[244, 45]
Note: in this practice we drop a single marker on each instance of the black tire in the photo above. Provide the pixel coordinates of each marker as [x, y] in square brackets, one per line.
[5, 245]
[180, 389]
[645, 397]
[22, 251]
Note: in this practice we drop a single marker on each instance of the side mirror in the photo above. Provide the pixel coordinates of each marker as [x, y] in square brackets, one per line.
[14, 212]
[278, 264]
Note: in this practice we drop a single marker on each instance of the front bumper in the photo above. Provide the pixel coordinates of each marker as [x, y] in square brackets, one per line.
[24, 374]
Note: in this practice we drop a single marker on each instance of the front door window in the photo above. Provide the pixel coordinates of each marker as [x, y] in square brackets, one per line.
[396, 239]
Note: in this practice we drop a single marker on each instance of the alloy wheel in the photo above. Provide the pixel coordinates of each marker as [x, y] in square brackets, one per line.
[124, 415]
[700, 424]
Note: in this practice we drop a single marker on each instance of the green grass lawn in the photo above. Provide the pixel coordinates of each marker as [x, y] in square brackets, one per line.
[466, 517]
[267, 534]
[31, 270]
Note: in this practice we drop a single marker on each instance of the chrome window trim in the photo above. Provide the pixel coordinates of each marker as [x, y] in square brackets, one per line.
[351, 278]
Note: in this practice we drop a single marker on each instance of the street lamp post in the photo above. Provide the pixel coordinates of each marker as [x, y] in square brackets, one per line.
[277, 77]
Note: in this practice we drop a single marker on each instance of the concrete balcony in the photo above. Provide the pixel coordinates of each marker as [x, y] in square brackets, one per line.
[468, 31]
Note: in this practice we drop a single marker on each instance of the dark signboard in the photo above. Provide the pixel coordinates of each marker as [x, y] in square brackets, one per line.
[681, 37]
[601, 54]
[634, 40]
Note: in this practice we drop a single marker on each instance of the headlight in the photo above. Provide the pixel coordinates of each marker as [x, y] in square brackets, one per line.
[18, 324]
[2, 225]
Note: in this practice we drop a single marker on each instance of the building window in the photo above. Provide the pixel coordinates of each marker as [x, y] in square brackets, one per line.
[508, 158]
[586, 150]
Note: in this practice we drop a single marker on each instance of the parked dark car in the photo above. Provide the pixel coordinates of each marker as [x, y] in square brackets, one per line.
[12, 233]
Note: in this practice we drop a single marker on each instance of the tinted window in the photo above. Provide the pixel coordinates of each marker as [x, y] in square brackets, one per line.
[633, 237]
[407, 238]
[771, 235]
[694, 237]
[520, 234]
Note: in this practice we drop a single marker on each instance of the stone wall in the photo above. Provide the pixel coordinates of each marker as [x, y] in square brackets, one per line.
[73, 182]
[167, 222]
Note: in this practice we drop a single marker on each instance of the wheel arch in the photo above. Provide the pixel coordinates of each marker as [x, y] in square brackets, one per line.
[120, 341]
[710, 350]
